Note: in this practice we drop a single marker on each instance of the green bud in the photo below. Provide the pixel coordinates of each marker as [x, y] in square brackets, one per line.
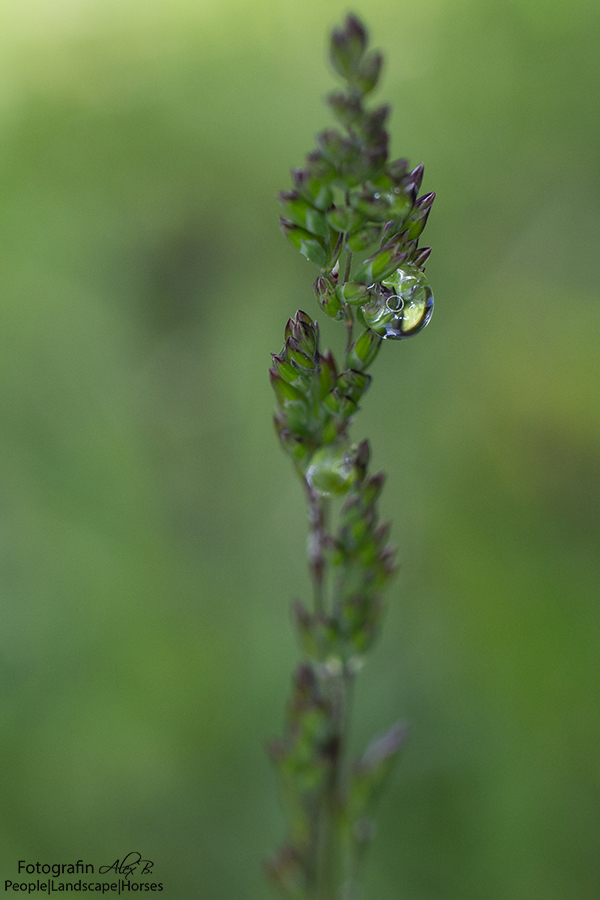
[343, 219]
[352, 292]
[304, 331]
[347, 46]
[364, 238]
[309, 246]
[371, 490]
[371, 126]
[332, 402]
[352, 384]
[312, 189]
[325, 293]
[336, 148]
[284, 368]
[374, 206]
[303, 213]
[330, 431]
[306, 692]
[379, 266]
[363, 351]
[399, 204]
[347, 408]
[369, 72]
[328, 374]
[286, 393]
[319, 168]
[347, 109]
[373, 158]
[298, 358]
[293, 444]
[382, 182]
[418, 217]
[361, 460]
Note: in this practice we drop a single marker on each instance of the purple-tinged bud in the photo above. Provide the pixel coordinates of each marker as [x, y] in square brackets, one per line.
[382, 534]
[328, 361]
[374, 157]
[387, 558]
[289, 329]
[372, 125]
[357, 33]
[305, 332]
[425, 202]
[300, 179]
[319, 168]
[416, 176]
[334, 145]
[347, 46]
[361, 460]
[372, 489]
[304, 318]
[421, 257]
[369, 72]
[418, 218]
[347, 109]
[306, 694]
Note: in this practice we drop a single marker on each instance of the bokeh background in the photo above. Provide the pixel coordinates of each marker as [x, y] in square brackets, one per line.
[152, 533]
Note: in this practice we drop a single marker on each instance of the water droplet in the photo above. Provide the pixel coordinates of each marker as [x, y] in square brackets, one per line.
[394, 303]
[331, 471]
[404, 306]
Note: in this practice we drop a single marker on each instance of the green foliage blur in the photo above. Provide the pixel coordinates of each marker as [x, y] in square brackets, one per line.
[152, 532]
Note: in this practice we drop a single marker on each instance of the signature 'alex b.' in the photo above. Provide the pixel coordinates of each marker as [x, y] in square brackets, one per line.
[129, 865]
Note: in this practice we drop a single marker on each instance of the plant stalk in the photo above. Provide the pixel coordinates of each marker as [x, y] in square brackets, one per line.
[318, 514]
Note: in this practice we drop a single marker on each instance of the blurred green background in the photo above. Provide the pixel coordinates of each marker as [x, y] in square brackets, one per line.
[152, 533]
